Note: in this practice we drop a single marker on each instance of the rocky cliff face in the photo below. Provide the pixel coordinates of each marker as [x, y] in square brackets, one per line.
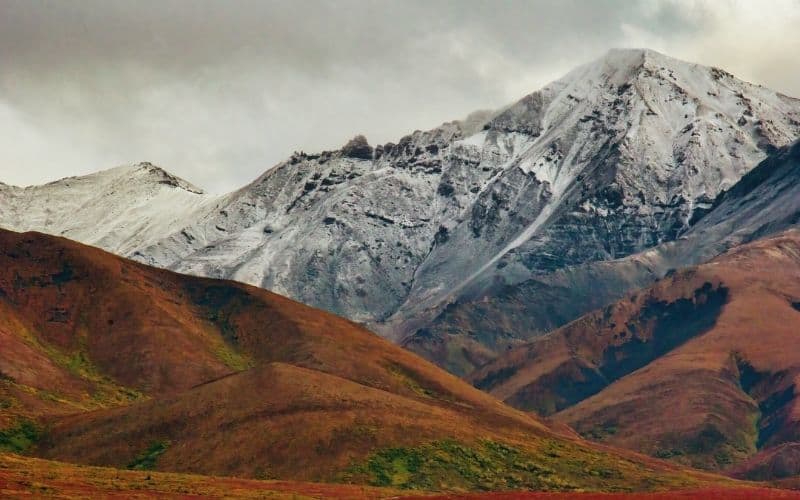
[612, 159]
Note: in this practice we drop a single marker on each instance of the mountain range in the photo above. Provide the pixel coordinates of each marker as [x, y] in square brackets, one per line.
[614, 158]
[602, 252]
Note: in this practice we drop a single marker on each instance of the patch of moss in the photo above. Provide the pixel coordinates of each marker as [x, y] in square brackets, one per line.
[148, 458]
[232, 359]
[546, 465]
[709, 448]
[77, 361]
[407, 378]
[601, 431]
[667, 454]
[50, 396]
[106, 391]
[447, 464]
[21, 437]
[104, 395]
[79, 364]
[263, 474]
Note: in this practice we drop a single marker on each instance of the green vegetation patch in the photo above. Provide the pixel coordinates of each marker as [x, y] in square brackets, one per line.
[709, 448]
[487, 465]
[407, 378]
[601, 431]
[148, 458]
[232, 359]
[107, 392]
[447, 464]
[21, 437]
[79, 364]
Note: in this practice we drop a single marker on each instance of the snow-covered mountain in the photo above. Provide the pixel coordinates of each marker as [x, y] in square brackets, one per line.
[120, 210]
[612, 159]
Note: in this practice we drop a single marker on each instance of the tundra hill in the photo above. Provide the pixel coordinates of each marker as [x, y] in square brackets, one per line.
[701, 367]
[80, 323]
[106, 361]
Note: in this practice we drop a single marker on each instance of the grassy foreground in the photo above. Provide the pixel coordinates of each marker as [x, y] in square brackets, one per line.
[25, 477]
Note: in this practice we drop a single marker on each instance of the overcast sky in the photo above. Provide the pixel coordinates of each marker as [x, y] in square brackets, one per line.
[217, 92]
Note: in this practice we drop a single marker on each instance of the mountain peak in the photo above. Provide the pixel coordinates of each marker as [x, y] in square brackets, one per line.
[627, 56]
[622, 65]
[154, 173]
[139, 173]
[637, 57]
[630, 53]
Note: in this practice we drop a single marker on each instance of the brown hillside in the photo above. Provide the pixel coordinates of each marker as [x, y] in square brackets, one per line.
[701, 367]
[109, 362]
[80, 320]
[781, 462]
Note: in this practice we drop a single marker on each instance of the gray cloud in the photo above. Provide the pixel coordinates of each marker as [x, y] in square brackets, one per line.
[217, 92]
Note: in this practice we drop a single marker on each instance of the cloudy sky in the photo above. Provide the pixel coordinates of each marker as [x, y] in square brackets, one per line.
[217, 92]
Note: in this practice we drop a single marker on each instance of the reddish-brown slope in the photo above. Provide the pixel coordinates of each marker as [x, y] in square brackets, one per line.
[283, 421]
[81, 323]
[778, 462]
[192, 374]
[24, 477]
[73, 315]
[277, 420]
[701, 367]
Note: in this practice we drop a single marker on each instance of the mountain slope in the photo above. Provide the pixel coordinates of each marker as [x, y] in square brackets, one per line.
[161, 333]
[700, 367]
[108, 361]
[120, 210]
[612, 159]
[470, 333]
